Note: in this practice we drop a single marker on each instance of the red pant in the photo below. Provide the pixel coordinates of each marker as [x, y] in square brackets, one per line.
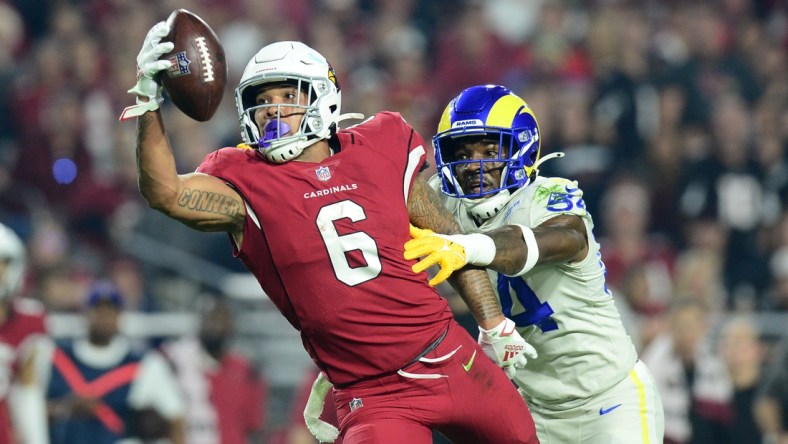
[477, 406]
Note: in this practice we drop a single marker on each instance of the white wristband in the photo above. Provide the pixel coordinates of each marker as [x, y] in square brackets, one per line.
[479, 248]
[533, 250]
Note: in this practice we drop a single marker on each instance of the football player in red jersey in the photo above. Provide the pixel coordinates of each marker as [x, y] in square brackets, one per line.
[320, 216]
[22, 408]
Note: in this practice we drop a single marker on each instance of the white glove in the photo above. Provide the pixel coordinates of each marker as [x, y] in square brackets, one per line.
[321, 430]
[148, 66]
[504, 345]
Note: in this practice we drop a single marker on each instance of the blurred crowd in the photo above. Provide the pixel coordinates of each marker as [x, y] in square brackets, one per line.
[673, 116]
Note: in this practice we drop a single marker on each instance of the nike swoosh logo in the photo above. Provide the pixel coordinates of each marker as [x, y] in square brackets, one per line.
[604, 411]
[468, 366]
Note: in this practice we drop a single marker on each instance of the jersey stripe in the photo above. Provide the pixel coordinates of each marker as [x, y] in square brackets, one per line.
[410, 170]
[250, 212]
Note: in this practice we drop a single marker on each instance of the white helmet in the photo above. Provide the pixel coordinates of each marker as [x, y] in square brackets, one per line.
[302, 66]
[12, 251]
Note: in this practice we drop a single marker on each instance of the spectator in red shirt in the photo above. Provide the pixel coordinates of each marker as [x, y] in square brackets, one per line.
[226, 395]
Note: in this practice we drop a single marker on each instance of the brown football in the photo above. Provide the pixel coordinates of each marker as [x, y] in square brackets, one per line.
[196, 79]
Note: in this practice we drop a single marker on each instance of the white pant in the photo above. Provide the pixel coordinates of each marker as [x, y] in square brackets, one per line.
[630, 412]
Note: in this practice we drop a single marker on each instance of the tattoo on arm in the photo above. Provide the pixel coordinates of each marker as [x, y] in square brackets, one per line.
[143, 124]
[510, 249]
[474, 286]
[427, 211]
[142, 127]
[209, 202]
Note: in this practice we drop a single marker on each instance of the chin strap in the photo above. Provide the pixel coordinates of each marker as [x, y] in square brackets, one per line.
[483, 209]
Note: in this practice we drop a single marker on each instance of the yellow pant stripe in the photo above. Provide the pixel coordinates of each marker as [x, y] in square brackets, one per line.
[642, 397]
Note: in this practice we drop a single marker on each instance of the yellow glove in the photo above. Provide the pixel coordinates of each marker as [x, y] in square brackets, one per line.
[438, 250]
[449, 252]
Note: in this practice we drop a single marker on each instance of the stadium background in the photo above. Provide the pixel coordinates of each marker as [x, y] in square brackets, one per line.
[673, 116]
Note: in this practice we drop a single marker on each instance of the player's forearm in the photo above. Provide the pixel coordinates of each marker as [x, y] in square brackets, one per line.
[474, 287]
[511, 250]
[426, 210]
[548, 245]
[156, 172]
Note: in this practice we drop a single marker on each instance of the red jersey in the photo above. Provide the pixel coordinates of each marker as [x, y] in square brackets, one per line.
[227, 398]
[25, 321]
[326, 240]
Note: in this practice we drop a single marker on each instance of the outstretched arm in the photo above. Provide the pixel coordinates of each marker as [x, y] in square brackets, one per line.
[558, 240]
[498, 336]
[512, 249]
[178, 196]
[473, 284]
[200, 201]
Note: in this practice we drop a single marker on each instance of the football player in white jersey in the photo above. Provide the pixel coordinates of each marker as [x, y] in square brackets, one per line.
[536, 239]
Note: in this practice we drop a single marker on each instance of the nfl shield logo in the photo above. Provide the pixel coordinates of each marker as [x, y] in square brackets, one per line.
[356, 403]
[323, 173]
[179, 65]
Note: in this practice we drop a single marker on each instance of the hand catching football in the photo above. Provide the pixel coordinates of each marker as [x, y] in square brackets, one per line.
[197, 75]
[184, 56]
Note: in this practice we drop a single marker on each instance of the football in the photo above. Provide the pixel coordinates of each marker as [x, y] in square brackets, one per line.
[197, 76]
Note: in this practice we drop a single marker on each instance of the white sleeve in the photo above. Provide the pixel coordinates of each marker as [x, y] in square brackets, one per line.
[155, 387]
[28, 413]
[45, 351]
[27, 402]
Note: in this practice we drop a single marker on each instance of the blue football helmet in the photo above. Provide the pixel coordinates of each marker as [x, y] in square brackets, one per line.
[494, 112]
[489, 112]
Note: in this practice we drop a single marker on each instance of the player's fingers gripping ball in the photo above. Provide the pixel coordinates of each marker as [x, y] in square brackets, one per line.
[148, 67]
[504, 345]
[435, 249]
